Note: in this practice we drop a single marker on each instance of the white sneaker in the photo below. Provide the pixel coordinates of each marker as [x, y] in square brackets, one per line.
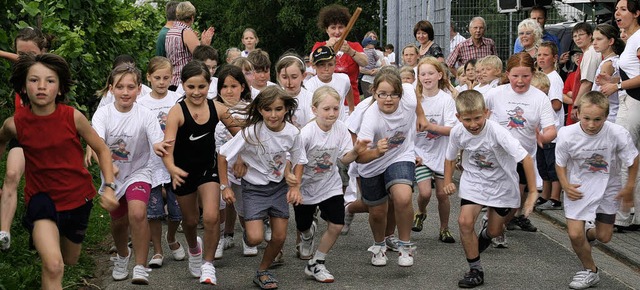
[379, 255]
[5, 240]
[584, 279]
[228, 242]
[267, 230]
[179, 253]
[348, 219]
[120, 265]
[305, 247]
[319, 272]
[208, 274]
[219, 249]
[156, 261]
[140, 275]
[500, 241]
[405, 255]
[195, 261]
[248, 251]
[392, 242]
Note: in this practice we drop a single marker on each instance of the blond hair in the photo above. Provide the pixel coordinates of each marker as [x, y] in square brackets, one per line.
[595, 98]
[470, 101]
[541, 82]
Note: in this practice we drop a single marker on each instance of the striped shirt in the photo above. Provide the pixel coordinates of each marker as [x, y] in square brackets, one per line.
[177, 51]
[466, 51]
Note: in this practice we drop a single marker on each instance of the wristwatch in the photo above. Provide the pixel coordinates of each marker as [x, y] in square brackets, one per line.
[620, 86]
[112, 185]
[222, 187]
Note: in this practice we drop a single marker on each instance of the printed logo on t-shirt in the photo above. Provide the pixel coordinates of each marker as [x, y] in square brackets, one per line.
[323, 163]
[396, 140]
[516, 118]
[276, 165]
[480, 160]
[192, 138]
[162, 119]
[294, 120]
[596, 163]
[432, 135]
[119, 150]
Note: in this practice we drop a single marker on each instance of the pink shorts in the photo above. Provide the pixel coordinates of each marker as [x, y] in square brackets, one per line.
[136, 191]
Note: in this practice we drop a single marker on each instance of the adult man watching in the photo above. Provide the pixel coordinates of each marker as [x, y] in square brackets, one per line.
[539, 14]
[475, 47]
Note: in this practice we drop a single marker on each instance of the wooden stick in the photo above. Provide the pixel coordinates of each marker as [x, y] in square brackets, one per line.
[352, 22]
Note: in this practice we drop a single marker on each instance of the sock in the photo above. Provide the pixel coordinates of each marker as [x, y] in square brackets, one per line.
[403, 243]
[381, 244]
[475, 263]
[317, 256]
[555, 202]
[195, 251]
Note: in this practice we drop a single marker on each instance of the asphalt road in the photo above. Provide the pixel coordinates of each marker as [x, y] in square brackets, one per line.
[541, 260]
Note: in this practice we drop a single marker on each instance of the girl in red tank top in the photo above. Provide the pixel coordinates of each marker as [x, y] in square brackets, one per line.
[58, 188]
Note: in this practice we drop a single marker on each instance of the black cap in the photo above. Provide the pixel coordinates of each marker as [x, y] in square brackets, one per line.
[323, 53]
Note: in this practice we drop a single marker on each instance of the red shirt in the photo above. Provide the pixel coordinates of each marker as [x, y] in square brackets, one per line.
[346, 64]
[18, 102]
[569, 86]
[53, 157]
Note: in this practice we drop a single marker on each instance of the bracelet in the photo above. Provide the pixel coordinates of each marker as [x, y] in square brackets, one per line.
[354, 53]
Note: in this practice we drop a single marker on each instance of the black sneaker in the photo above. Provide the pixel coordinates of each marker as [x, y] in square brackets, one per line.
[525, 224]
[540, 201]
[483, 243]
[418, 221]
[472, 279]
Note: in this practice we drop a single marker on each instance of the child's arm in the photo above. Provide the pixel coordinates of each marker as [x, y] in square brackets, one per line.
[369, 155]
[556, 105]
[224, 115]
[108, 200]
[359, 147]
[530, 174]
[571, 190]
[12, 57]
[293, 195]
[449, 168]
[174, 119]
[626, 193]
[548, 134]
[421, 119]
[350, 102]
[227, 194]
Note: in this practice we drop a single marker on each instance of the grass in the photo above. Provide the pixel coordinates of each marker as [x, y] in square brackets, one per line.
[20, 266]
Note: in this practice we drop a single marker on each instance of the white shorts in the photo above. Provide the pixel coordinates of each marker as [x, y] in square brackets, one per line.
[585, 209]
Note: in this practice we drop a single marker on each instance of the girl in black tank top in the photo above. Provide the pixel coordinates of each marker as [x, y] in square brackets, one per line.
[195, 146]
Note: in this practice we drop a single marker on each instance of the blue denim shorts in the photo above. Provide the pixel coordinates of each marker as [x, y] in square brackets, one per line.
[155, 207]
[375, 190]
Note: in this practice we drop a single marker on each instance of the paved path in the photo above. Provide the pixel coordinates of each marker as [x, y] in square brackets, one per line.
[542, 260]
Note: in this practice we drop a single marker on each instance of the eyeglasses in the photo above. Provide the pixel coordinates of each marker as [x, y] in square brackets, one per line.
[385, 95]
[527, 33]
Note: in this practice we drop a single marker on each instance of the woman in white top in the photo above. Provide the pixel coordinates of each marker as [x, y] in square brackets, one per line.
[627, 17]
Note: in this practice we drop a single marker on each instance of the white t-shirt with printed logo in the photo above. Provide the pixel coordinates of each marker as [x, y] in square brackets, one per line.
[129, 136]
[594, 162]
[266, 155]
[430, 146]
[340, 82]
[521, 114]
[303, 113]
[321, 179]
[160, 109]
[489, 177]
[400, 129]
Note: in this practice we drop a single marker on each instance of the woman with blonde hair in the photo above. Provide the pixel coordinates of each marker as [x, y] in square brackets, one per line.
[530, 35]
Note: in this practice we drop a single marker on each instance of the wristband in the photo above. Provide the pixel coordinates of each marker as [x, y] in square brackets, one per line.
[354, 53]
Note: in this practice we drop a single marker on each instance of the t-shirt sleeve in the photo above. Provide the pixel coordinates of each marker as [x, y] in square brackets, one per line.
[297, 152]
[450, 113]
[98, 122]
[232, 148]
[453, 147]
[356, 46]
[346, 144]
[562, 155]
[589, 65]
[626, 149]
[547, 114]
[368, 127]
[409, 99]
[154, 132]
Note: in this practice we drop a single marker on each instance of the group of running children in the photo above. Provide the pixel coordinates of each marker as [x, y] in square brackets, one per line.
[296, 144]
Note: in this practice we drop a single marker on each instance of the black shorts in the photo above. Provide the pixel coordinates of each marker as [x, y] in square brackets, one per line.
[13, 143]
[501, 211]
[331, 210]
[546, 162]
[72, 224]
[197, 178]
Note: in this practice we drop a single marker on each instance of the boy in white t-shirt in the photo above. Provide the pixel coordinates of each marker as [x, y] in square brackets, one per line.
[262, 71]
[589, 158]
[324, 62]
[489, 178]
[490, 72]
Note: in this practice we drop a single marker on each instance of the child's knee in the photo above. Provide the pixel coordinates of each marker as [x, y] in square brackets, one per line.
[137, 216]
[210, 220]
[465, 223]
[53, 267]
[254, 238]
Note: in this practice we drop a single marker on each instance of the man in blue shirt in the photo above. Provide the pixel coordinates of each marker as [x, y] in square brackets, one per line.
[539, 14]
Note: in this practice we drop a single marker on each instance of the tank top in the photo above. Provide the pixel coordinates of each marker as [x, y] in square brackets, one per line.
[195, 147]
[177, 51]
[53, 157]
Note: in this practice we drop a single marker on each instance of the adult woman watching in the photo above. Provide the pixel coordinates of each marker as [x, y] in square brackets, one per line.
[182, 40]
[530, 35]
[423, 32]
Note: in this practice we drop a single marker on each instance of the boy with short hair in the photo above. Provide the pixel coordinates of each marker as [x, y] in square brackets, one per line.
[490, 73]
[262, 71]
[587, 64]
[488, 179]
[389, 54]
[589, 158]
[324, 62]
[209, 56]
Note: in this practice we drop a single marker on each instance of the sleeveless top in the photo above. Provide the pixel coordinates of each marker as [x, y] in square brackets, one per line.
[177, 52]
[53, 157]
[195, 147]
[614, 101]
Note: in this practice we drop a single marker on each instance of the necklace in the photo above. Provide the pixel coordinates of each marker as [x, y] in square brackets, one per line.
[530, 49]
